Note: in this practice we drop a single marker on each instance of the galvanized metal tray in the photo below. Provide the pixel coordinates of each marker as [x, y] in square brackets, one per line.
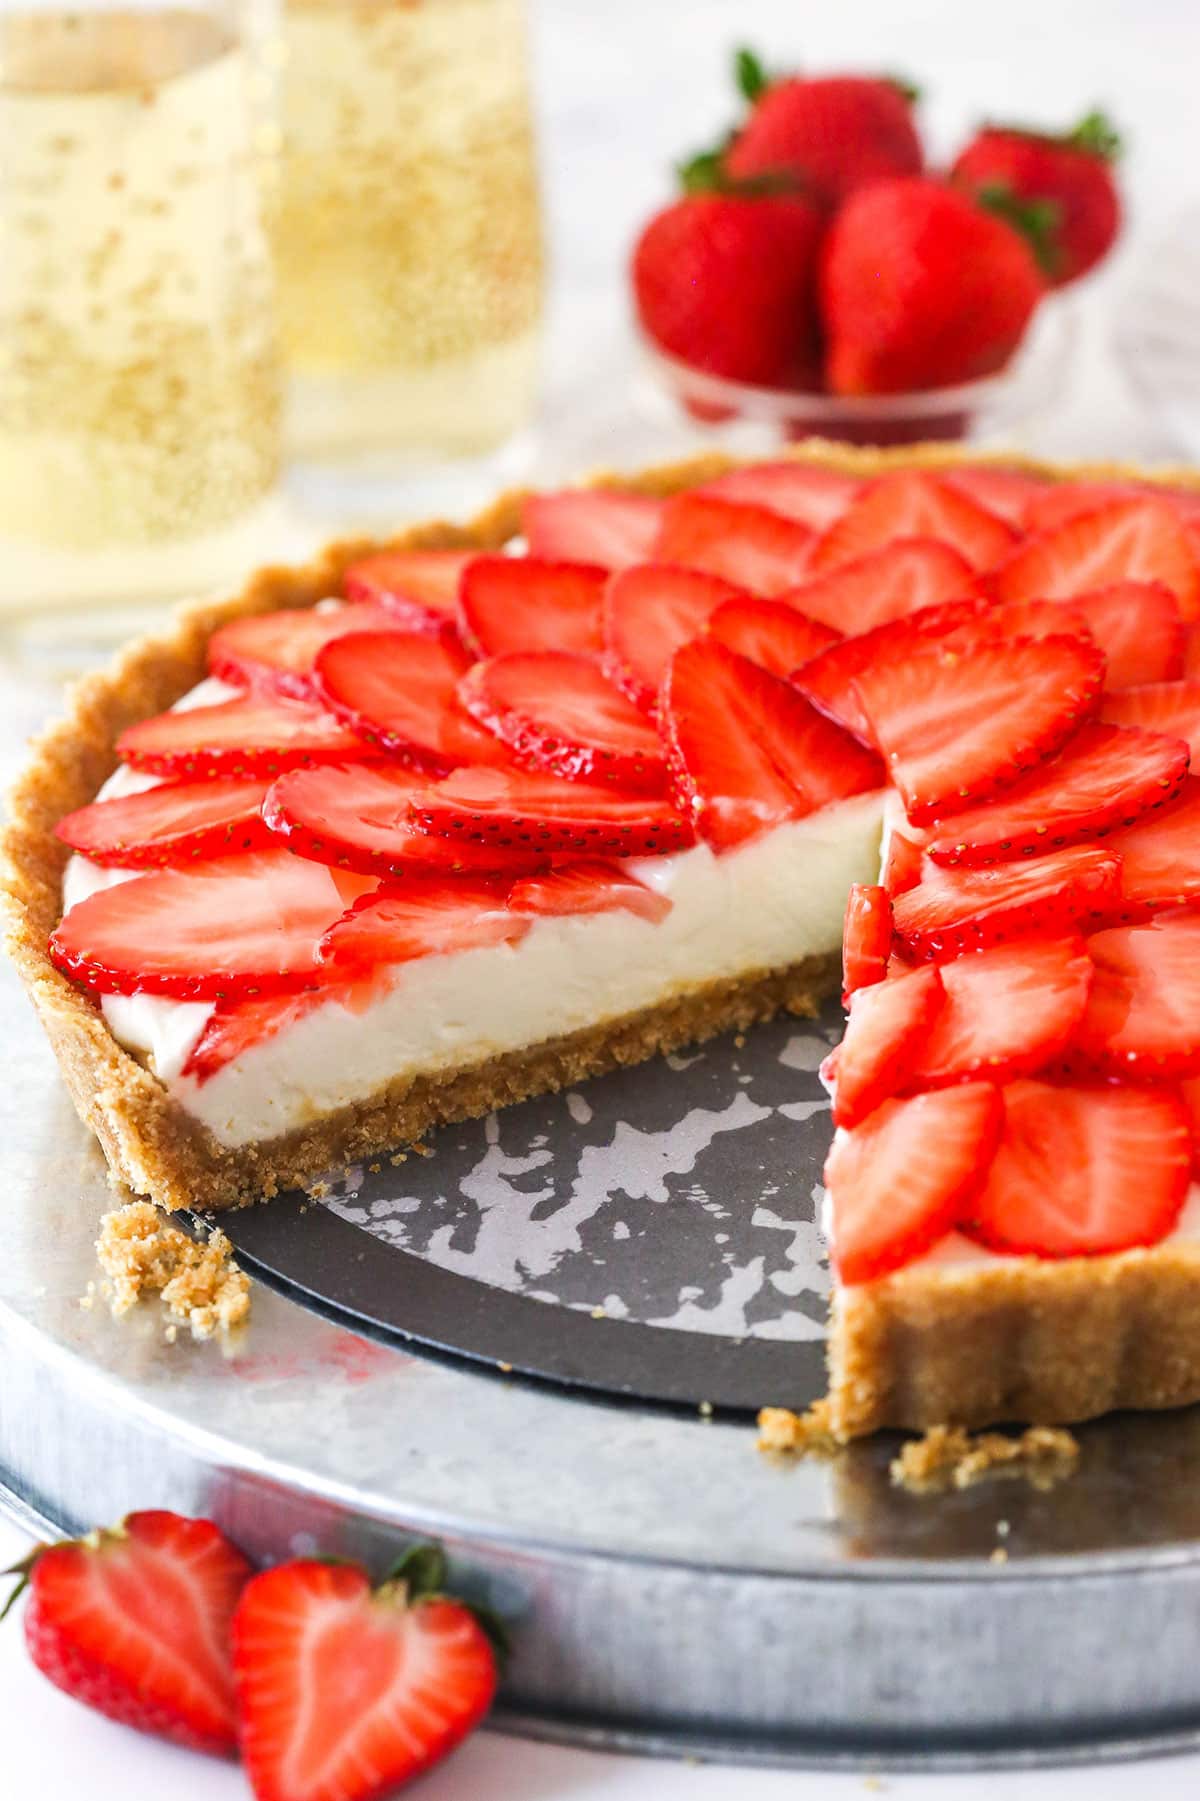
[670, 1587]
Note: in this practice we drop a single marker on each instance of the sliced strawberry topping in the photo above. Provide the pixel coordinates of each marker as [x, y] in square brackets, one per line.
[524, 603]
[1172, 708]
[1160, 857]
[1123, 541]
[542, 813]
[1009, 493]
[901, 1179]
[770, 632]
[955, 727]
[1191, 652]
[951, 911]
[1009, 620]
[585, 887]
[828, 679]
[1138, 627]
[1059, 502]
[1189, 1092]
[278, 650]
[1009, 1012]
[889, 1024]
[866, 937]
[255, 735]
[398, 692]
[357, 817]
[749, 545]
[649, 612]
[902, 849]
[747, 751]
[1141, 1019]
[418, 587]
[911, 504]
[181, 822]
[237, 1026]
[1080, 1171]
[890, 583]
[559, 712]
[592, 525]
[1105, 777]
[428, 915]
[243, 925]
[803, 491]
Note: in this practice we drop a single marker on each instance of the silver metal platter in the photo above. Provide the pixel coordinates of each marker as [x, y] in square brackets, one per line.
[669, 1587]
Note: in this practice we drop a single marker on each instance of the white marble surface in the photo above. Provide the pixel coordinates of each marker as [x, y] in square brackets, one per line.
[625, 86]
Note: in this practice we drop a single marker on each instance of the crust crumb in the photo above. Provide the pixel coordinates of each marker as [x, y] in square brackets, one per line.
[951, 1457]
[141, 1252]
[808, 1434]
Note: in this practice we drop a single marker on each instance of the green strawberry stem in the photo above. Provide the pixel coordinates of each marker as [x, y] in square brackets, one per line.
[749, 75]
[1036, 220]
[1096, 134]
[705, 173]
[421, 1572]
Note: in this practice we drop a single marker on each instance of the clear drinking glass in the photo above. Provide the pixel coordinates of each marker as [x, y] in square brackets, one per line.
[139, 373]
[408, 241]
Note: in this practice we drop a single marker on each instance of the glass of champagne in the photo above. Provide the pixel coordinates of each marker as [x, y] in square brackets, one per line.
[139, 374]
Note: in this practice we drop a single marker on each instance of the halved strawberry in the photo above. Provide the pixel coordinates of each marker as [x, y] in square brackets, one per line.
[278, 650]
[649, 612]
[749, 545]
[1081, 1171]
[255, 735]
[418, 587]
[542, 813]
[913, 504]
[356, 817]
[866, 937]
[901, 578]
[525, 603]
[134, 1622]
[558, 711]
[243, 925]
[1143, 1017]
[1134, 540]
[347, 1692]
[955, 727]
[770, 632]
[1009, 1012]
[1172, 708]
[951, 911]
[889, 1024]
[1009, 493]
[746, 750]
[592, 525]
[1160, 858]
[397, 692]
[427, 915]
[901, 1179]
[803, 491]
[1106, 776]
[1138, 627]
[178, 823]
[828, 680]
[584, 887]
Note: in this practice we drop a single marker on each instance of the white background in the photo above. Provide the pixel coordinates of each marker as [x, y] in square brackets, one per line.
[626, 86]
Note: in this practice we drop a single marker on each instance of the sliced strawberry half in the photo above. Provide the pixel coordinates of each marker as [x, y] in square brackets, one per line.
[888, 1026]
[559, 712]
[890, 583]
[1160, 858]
[428, 915]
[278, 650]
[770, 632]
[951, 911]
[1009, 493]
[592, 525]
[1009, 1012]
[747, 751]
[749, 545]
[1081, 1171]
[1138, 627]
[525, 603]
[903, 848]
[542, 813]
[1105, 777]
[235, 1027]
[1143, 1017]
[828, 680]
[1060, 502]
[1007, 621]
[1172, 708]
[357, 817]
[649, 612]
[866, 937]
[901, 1179]
[178, 823]
[419, 588]
[397, 692]
[241, 926]
[802, 491]
[955, 727]
[912, 504]
[587, 887]
[255, 735]
[1131, 540]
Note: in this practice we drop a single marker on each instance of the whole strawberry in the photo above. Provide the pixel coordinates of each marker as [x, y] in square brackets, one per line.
[921, 288]
[829, 134]
[1069, 179]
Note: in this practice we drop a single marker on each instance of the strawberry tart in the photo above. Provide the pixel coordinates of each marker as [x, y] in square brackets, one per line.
[428, 827]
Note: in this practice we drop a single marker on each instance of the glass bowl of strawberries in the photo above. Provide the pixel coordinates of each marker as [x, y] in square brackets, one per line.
[816, 278]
